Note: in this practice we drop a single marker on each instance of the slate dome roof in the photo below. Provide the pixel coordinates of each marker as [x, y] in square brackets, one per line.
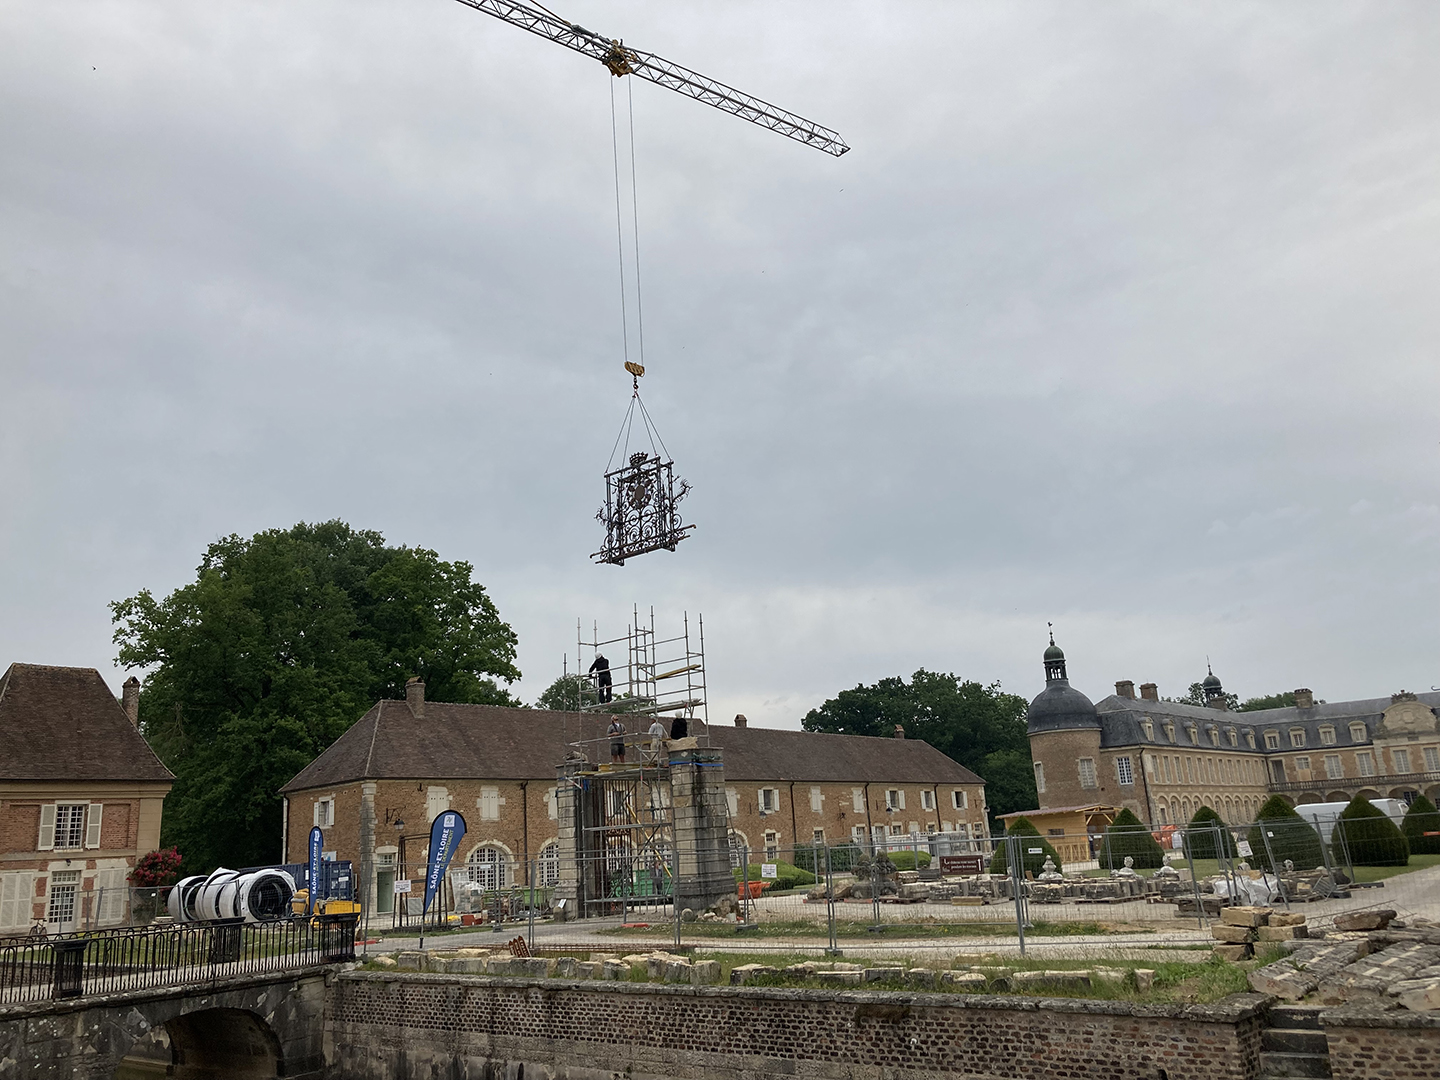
[1060, 707]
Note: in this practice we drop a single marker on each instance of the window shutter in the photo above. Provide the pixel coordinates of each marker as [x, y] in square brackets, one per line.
[316, 810]
[92, 824]
[47, 828]
[901, 793]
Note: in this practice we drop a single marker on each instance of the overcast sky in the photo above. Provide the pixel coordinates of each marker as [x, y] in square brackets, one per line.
[1121, 316]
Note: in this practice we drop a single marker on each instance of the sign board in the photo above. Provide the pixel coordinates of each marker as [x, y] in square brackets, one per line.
[403, 885]
[1243, 847]
[312, 873]
[962, 864]
[769, 870]
[446, 832]
[1177, 841]
[1035, 851]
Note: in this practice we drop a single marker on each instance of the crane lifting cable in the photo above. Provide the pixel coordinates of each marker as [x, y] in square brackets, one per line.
[623, 60]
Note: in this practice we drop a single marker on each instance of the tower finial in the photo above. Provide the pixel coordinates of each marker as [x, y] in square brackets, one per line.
[1051, 625]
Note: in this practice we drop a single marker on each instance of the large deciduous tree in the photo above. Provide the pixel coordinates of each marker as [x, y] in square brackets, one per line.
[982, 727]
[281, 642]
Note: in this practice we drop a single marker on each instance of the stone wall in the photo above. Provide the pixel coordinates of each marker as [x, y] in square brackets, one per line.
[394, 1027]
[1369, 1043]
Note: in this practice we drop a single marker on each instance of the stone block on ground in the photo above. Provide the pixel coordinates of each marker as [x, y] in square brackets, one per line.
[1286, 918]
[802, 971]
[1421, 995]
[677, 971]
[833, 978]
[1113, 977]
[748, 973]
[704, 972]
[587, 969]
[922, 978]
[565, 967]
[1364, 920]
[384, 961]
[465, 965]
[883, 974]
[963, 980]
[1144, 980]
[1371, 977]
[539, 967]
[410, 960]
[1280, 933]
[1234, 952]
[614, 971]
[1245, 916]
[498, 965]
[1234, 935]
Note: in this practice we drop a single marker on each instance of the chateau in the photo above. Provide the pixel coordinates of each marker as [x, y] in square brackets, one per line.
[1163, 760]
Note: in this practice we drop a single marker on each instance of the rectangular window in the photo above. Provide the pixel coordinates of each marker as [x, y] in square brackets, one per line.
[63, 884]
[1327, 736]
[772, 846]
[895, 799]
[1364, 763]
[17, 895]
[817, 800]
[1124, 771]
[1401, 759]
[1170, 732]
[1233, 735]
[1189, 770]
[1302, 764]
[857, 800]
[489, 804]
[69, 828]
[959, 800]
[1169, 769]
[817, 836]
[1333, 769]
[769, 800]
[927, 800]
[1358, 732]
[1040, 777]
[1087, 773]
[857, 834]
[437, 801]
[1214, 736]
[324, 815]
[1297, 738]
[1056, 832]
[896, 830]
[1272, 740]
[1432, 759]
[929, 826]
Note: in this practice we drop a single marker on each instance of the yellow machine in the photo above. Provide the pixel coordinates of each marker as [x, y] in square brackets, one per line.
[322, 907]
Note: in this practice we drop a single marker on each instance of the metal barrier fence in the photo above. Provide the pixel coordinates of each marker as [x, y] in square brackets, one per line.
[112, 961]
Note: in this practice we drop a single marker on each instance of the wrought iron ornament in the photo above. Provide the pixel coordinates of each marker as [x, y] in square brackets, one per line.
[640, 512]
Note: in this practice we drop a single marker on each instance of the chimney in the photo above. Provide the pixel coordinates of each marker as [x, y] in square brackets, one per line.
[415, 696]
[899, 732]
[1149, 692]
[1126, 689]
[1304, 699]
[130, 699]
[740, 719]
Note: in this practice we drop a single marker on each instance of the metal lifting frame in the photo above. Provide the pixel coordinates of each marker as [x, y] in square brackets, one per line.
[623, 60]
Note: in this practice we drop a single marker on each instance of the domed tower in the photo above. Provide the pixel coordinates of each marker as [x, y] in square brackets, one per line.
[1214, 692]
[1064, 731]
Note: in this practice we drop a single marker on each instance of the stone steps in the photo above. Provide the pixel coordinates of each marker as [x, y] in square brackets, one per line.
[1293, 1045]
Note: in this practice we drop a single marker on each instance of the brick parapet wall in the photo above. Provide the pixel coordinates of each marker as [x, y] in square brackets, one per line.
[396, 1026]
[1370, 1043]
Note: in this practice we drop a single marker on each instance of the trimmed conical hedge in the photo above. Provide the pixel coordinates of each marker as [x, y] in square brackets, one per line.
[1127, 835]
[1422, 818]
[1289, 835]
[1369, 835]
[1201, 842]
[1031, 838]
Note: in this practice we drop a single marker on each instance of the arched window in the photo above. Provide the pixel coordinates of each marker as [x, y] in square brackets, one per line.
[548, 865]
[489, 867]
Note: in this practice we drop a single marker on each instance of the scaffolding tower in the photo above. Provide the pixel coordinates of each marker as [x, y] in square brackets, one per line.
[658, 677]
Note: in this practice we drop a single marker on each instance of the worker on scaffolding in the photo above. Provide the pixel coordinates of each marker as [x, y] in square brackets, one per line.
[601, 670]
[657, 740]
[616, 731]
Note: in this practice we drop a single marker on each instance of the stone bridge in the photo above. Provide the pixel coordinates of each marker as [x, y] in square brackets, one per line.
[251, 1027]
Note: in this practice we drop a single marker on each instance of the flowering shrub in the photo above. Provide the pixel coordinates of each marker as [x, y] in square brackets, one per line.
[157, 868]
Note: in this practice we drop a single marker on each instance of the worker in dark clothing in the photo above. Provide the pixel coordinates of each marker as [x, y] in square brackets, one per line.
[601, 670]
[679, 728]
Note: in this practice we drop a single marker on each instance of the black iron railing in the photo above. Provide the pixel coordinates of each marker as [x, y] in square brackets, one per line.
[1394, 780]
[142, 958]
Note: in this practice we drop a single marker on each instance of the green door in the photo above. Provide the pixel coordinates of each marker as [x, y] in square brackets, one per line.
[384, 892]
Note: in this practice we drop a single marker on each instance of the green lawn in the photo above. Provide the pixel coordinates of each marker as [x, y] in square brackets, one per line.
[1380, 873]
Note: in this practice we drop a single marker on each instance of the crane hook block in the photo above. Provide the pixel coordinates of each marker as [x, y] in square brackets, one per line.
[620, 60]
[634, 369]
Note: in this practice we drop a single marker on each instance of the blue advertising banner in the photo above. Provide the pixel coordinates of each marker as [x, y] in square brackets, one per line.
[446, 832]
[317, 841]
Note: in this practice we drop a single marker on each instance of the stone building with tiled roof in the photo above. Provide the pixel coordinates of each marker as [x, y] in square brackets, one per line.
[81, 794]
[404, 762]
[1163, 760]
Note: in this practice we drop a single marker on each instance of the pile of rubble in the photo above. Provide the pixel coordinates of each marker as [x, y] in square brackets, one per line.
[1371, 957]
[1240, 928]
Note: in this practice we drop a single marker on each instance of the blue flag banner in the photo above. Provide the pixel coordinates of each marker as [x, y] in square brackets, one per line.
[317, 841]
[446, 832]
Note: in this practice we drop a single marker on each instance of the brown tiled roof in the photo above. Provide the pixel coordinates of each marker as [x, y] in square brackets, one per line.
[491, 742]
[63, 723]
[1058, 810]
